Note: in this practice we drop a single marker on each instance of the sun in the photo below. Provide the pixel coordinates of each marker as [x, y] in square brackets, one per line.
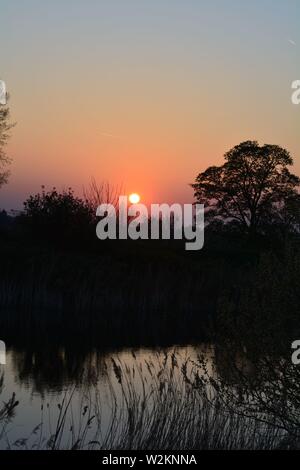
[134, 198]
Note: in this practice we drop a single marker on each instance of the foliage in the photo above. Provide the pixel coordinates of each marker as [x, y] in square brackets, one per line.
[251, 186]
[253, 375]
[57, 216]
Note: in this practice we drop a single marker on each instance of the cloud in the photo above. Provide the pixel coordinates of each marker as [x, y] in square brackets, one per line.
[107, 134]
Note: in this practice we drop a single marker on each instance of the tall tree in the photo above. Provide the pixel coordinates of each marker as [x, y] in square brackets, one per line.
[251, 186]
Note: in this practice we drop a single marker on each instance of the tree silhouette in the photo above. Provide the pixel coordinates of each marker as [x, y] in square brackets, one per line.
[251, 188]
[57, 216]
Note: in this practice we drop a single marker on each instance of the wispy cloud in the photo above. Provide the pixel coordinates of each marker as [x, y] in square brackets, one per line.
[109, 135]
[292, 42]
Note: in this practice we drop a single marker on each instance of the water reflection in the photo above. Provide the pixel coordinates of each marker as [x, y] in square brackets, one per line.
[52, 370]
[41, 376]
[128, 393]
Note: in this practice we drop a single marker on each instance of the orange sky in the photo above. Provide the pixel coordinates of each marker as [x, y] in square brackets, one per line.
[146, 98]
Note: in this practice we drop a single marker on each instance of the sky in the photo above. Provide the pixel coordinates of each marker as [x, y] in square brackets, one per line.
[144, 93]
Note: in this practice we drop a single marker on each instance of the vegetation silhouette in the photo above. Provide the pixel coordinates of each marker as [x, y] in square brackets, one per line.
[60, 217]
[252, 189]
[56, 275]
[61, 289]
[151, 405]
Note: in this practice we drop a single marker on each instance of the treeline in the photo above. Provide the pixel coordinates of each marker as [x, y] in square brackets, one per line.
[56, 274]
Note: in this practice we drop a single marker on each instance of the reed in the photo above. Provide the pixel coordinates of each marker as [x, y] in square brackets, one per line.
[148, 405]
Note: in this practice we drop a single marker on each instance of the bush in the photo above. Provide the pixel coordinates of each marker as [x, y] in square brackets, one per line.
[58, 217]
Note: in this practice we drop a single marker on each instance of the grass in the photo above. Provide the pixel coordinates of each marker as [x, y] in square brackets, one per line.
[139, 296]
[139, 292]
[148, 405]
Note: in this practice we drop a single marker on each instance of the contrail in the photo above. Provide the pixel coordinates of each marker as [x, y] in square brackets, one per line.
[106, 134]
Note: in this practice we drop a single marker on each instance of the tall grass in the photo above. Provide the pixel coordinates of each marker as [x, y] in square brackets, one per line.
[143, 302]
[147, 405]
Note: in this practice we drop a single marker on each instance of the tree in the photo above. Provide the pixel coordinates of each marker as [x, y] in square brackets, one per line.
[5, 126]
[102, 193]
[250, 188]
[252, 372]
[58, 216]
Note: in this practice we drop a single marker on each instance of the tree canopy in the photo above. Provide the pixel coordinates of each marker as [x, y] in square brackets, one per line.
[253, 187]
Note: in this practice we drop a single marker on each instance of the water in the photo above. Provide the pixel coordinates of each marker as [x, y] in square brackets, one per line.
[41, 379]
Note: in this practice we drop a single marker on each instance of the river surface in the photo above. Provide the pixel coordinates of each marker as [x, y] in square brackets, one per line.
[43, 381]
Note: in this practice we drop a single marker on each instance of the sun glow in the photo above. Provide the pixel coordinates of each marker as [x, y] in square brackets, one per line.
[134, 198]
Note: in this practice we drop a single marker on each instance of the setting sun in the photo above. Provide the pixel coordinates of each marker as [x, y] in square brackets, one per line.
[134, 198]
